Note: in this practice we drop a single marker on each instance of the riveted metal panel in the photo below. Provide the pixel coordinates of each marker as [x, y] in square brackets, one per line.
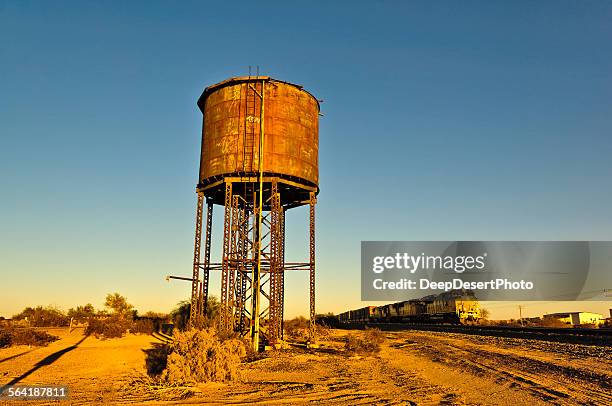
[230, 135]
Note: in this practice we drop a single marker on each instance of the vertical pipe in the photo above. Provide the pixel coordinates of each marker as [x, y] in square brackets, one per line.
[257, 270]
[282, 276]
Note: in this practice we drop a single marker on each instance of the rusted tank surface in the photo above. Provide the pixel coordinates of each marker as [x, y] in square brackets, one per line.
[231, 130]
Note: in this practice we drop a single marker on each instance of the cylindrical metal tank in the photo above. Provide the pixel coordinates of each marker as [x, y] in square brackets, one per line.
[231, 131]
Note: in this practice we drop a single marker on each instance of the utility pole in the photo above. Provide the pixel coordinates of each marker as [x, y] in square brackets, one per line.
[521, 314]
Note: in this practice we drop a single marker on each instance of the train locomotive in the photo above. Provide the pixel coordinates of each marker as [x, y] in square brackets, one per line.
[455, 307]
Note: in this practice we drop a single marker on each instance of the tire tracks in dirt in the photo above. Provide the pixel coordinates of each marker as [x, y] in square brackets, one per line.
[548, 380]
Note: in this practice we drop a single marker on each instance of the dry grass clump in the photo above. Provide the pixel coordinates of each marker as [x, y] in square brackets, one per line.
[366, 343]
[140, 388]
[42, 317]
[117, 326]
[322, 330]
[297, 328]
[193, 357]
[297, 334]
[24, 336]
[198, 356]
[552, 322]
[111, 327]
[144, 326]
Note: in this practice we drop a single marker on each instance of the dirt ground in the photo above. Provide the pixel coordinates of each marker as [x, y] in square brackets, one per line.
[411, 368]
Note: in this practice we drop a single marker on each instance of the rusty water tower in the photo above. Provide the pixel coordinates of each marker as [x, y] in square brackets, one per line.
[260, 139]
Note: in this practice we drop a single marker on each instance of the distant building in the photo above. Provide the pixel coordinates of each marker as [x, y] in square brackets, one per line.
[577, 318]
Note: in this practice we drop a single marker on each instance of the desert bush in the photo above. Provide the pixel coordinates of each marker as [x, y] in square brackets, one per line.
[297, 322]
[180, 314]
[117, 326]
[82, 313]
[504, 323]
[328, 320]
[197, 356]
[297, 328]
[6, 339]
[24, 336]
[251, 354]
[144, 326]
[43, 317]
[553, 322]
[321, 330]
[110, 327]
[155, 315]
[367, 342]
[118, 305]
[212, 309]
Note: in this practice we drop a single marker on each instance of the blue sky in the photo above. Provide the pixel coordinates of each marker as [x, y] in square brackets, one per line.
[446, 121]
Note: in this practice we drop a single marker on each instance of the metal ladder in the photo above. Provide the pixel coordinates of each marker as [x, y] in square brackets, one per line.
[251, 124]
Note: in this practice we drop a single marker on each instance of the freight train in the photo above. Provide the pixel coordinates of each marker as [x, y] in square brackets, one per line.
[456, 307]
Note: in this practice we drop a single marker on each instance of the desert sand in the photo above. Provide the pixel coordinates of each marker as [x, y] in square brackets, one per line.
[411, 368]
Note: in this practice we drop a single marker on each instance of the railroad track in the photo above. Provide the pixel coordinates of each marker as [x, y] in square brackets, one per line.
[600, 337]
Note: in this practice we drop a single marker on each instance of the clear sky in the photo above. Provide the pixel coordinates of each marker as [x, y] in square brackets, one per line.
[443, 121]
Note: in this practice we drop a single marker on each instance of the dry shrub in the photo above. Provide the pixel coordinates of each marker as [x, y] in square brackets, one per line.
[330, 320]
[145, 388]
[24, 336]
[6, 339]
[298, 334]
[117, 326]
[81, 314]
[201, 356]
[252, 355]
[553, 322]
[322, 330]
[297, 328]
[144, 326]
[111, 327]
[366, 343]
[43, 317]
[180, 315]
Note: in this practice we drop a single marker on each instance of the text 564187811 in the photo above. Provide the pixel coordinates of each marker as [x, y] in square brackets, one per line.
[34, 392]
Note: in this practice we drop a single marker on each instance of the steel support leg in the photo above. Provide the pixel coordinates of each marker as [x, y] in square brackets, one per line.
[224, 311]
[233, 265]
[275, 265]
[239, 260]
[195, 288]
[243, 271]
[255, 282]
[206, 275]
[313, 201]
[282, 276]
